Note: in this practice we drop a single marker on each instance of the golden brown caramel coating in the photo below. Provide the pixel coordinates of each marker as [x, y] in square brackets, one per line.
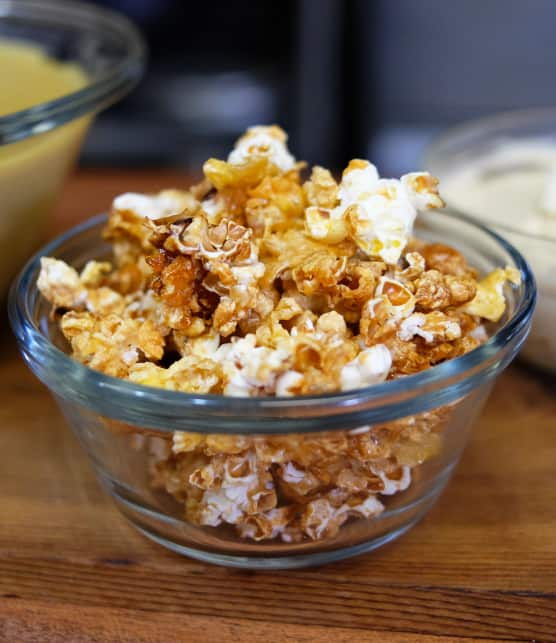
[321, 190]
[446, 260]
[111, 344]
[276, 204]
[176, 284]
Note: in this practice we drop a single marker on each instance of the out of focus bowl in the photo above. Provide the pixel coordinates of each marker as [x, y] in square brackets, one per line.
[472, 142]
[39, 145]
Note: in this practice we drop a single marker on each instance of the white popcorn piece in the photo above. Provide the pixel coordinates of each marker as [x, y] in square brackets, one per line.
[212, 208]
[479, 333]
[287, 383]
[234, 497]
[358, 182]
[205, 345]
[247, 275]
[377, 213]
[431, 327]
[360, 430]
[422, 189]
[248, 368]
[370, 507]
[391, 485]
[167, 203]
[263, 141]
[222, 505]
[371, 366]
[291, 474]
[61, 284]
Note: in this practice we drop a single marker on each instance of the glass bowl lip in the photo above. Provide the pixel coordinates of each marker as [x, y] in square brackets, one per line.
[97, 94]
[507, 118]
[404, 388]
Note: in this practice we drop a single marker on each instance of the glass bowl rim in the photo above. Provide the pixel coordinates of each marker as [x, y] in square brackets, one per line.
[97, 94]
[487, 124]
[408, 391]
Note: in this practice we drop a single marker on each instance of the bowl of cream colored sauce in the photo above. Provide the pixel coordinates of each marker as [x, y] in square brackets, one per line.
[502, 171]
[61, 63]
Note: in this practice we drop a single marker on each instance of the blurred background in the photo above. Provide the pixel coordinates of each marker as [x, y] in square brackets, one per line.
[371, 78]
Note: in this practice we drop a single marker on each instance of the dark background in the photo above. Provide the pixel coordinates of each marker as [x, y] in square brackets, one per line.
[370, 78]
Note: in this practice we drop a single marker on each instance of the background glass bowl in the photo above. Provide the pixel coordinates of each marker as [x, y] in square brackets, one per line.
[124, 427]
[466, 143]
[39, 145]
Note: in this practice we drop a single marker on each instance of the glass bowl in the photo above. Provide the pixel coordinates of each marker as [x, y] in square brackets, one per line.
[415, 428]
[39, 145]
[463, 146]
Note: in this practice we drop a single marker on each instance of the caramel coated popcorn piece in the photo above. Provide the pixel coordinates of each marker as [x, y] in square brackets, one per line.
[321, 190]
[275, 205]
[489, 302]
[435, 291]
[127, 228]
[111, 344]
[94, 273]
[66, 289]
[431, 291]
[261, 142]
[60, 284]
[176, 284]
[415, 267]
[447, 260]
[432, 327]
[267, 525]
[189, 374]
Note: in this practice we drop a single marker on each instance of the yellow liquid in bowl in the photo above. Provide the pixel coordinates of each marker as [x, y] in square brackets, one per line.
[32, 171]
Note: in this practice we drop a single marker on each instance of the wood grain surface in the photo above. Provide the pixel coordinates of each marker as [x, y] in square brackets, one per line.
[480, 566]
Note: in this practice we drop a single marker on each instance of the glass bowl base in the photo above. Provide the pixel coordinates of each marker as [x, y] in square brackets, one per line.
[278, 562]
[164, 531]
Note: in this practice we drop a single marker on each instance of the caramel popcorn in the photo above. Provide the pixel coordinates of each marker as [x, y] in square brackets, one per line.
[489, 302]
[111, 344]
[254, 283]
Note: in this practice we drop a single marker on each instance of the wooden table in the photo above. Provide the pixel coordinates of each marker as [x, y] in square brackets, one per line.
[481, 566]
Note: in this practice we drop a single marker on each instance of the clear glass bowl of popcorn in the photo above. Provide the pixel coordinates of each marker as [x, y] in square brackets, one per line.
[302, 480]
[502, 170]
